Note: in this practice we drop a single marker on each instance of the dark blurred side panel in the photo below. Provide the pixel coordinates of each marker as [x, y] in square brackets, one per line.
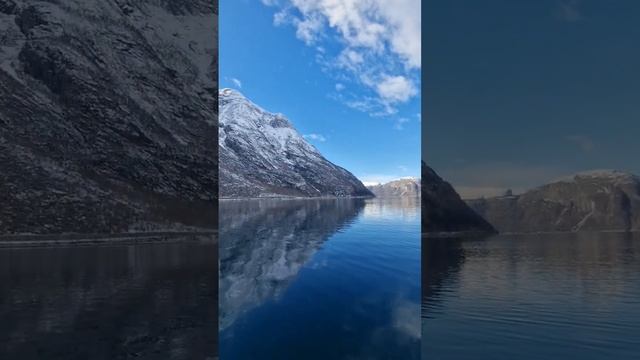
[108, 179]
[108, 116]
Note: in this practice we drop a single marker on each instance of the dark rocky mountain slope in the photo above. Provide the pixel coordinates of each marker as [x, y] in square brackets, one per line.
[590, 201]
[262, 155]
[443, 211]
[107, 115]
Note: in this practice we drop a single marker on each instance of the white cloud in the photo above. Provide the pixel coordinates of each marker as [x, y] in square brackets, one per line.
[350, 59]
[370, 24]
[315, 137]
[339, 87]
[281, 17]
[308, 29]
[236, 82]
[379, 45]
[395, 89]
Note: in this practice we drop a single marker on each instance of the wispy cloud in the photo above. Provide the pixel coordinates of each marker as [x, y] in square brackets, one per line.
[570, 10]
[315, 137]
[399, 123]
[376, 44]
[584, 142]
[406, 318]
[236, 82]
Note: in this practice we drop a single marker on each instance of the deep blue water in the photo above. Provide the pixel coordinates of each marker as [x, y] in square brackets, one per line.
[532, 297]
[320, 279]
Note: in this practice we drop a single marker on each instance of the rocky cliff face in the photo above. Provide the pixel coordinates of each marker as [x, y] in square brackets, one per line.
[397, 188]
[443, 211]
[107, 115]
[262, 155]
[590, 201]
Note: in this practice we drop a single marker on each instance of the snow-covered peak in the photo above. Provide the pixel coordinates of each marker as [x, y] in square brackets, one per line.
[269, 131]
[400, 180]
[229, 93]
[262, 154]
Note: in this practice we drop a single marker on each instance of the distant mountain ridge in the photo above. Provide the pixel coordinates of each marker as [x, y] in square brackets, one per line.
[600, 200]
[444, 212]
[408, 187]
[262, 155]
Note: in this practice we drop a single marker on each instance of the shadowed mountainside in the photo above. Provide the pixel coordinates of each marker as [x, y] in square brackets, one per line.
[443, 211]
[107, 115]
[589, 201]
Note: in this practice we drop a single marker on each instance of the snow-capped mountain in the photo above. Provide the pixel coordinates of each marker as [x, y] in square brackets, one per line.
[262, 155]
[107, 115]
[406, 187]
[601, 200]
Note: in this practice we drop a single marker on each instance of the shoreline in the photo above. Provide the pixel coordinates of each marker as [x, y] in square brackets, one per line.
[134, 238]
[459, 234]
[296, 198]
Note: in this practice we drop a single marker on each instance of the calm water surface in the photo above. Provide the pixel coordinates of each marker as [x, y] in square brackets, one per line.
[153, 301]
[532, 297]
[320, 279]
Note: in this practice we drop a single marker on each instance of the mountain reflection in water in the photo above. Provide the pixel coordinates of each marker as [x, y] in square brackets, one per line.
[265, 244]
[320, 279]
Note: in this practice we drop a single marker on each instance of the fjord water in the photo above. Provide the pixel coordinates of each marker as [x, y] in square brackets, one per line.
[320, 279]
[146, 301]
[561, 296]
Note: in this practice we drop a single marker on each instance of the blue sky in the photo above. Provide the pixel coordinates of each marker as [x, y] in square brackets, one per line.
[518, 93]
[346, 74]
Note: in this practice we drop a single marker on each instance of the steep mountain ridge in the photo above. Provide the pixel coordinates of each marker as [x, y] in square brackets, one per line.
[262, 155]
[107, 115]
[601, 200]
